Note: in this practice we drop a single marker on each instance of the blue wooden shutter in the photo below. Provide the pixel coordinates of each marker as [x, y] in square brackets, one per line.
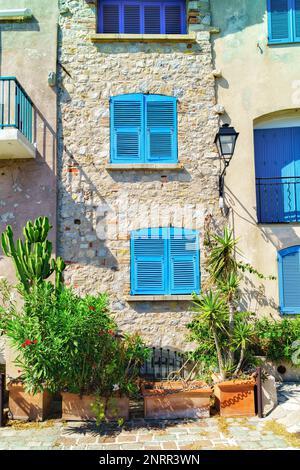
[152, 19]
[184, 261]
[148, 262]
[274, 165]
[132, 18]
[127, 125]
[161, 129]
[279, 17]
[289, 279]
[297, 20]
[110, 17]
[173, 18]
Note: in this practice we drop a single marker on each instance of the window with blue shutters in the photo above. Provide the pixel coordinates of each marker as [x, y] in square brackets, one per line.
[165, 261]
[143, 129]
[284, 21]
[142, 17]
[277, 168]
[289, 280]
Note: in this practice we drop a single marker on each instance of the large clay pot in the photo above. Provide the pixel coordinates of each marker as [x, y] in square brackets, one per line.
[172, 400]
[76, 408]
[27, 407]
[235, 397]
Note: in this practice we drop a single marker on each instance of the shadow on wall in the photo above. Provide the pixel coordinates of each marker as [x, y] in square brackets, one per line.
[28, 25]
[254, 293]
[77, 214]
[230, 19]
[237, 15]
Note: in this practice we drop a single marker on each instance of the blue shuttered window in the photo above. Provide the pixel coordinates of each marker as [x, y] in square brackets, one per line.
[164, 261]
[142, 17]
[277, 168]
[289, 279]
[284, 21]
[143, 129]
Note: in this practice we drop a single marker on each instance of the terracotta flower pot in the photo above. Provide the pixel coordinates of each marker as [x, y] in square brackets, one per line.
[235, 397]
[170, 400]
[27, 407]
[76, 408]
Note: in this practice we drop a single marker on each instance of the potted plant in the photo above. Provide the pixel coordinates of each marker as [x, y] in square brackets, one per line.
[176, 399]
[230, 331]
[277, 344]
[34, 264]
[68, 343]
[101, 372]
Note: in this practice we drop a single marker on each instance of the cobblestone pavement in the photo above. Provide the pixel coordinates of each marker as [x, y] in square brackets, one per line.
[211, 433]
[288, 411]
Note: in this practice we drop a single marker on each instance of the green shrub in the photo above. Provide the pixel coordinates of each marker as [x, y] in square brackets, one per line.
[67, 342]
[274, 339]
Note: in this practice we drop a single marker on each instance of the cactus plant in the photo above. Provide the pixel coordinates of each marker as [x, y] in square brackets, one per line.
[32, 257]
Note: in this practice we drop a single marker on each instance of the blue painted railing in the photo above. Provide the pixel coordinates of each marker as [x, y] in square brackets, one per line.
[278, 199]
[16, 107]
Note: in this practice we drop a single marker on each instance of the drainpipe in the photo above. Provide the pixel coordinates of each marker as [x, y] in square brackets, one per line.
[259, 393]
[2, 379]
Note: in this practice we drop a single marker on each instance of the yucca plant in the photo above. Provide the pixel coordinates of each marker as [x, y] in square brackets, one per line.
[212, 309]
[218, 308]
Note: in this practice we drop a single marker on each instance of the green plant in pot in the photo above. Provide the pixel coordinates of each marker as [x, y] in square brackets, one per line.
[101, 367]
[230, 331]
[34, 263]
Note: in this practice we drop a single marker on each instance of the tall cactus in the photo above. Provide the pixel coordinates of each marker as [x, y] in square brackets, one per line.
[32, 257]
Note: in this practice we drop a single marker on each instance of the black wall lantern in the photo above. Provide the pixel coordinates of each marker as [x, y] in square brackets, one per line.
[225, 140]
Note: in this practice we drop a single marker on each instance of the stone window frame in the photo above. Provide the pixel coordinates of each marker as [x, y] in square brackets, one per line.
[198, 19]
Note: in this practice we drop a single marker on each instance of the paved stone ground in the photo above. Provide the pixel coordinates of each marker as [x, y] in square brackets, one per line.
[212, 433]
[288, 411]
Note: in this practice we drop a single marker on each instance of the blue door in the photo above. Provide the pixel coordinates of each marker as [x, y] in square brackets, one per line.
[277, 166]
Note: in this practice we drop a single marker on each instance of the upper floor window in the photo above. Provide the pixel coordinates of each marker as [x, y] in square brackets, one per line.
[284, 21]
[165, 261]
[142, 17]
[143, 129]
[289, 279]
[277, 168]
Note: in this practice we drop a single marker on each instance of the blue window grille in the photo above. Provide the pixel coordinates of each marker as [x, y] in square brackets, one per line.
[165, 261]
[143, 129]
[142, 17]
[283, 21]
[289, 279]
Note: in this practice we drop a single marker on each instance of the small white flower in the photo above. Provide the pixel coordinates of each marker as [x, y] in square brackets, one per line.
[116, 387]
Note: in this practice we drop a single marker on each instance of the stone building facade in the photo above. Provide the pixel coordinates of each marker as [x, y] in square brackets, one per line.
[99, 205]
[258, 87]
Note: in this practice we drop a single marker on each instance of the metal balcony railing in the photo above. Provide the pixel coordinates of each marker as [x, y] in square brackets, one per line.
[278, 199]
[16, 107]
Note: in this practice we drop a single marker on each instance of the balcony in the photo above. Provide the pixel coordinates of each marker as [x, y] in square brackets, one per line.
[16, 121]
[278, 200]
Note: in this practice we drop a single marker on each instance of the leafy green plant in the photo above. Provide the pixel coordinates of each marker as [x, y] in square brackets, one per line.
[65, 342]
[230, 331]
[7, 304]
[274, 339]
[32, 256]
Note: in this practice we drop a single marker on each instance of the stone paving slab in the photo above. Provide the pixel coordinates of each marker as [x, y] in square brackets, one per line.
[212, 433]
[209, 433]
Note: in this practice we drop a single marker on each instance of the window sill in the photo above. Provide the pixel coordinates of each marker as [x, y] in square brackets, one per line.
[285, 43]
[158, 298]
[20, 14]
[144, 166]
[108, 37]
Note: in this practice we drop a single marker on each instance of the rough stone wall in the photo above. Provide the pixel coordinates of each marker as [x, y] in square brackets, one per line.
[97, 207]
